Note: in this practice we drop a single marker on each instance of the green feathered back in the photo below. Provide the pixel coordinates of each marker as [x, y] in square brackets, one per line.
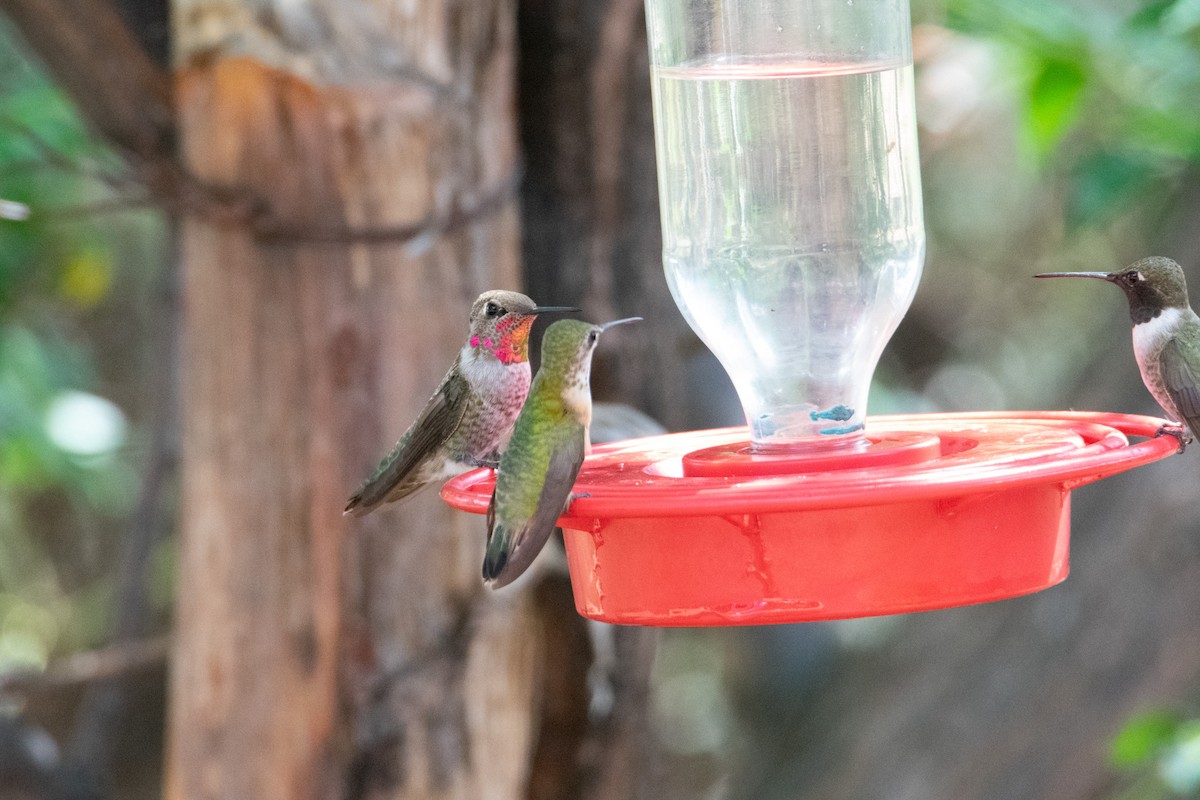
[537, 471]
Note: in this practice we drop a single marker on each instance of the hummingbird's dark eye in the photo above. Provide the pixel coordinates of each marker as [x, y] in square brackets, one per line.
[593, 336]
[494, 310]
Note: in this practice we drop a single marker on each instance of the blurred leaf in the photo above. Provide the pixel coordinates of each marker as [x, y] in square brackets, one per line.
[112, 488]
[1181, 17]
[33, 370]
[1179, 765]
[87, 277]
[28, 633]
[38, 117]
[1055, 99]
[1162, 134]
[20, 462]
[1046, 28]
[1151, 14]
[1104, 184]
[1142, 738]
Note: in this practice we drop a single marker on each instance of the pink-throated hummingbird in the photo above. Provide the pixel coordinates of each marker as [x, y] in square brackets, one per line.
[470, 417]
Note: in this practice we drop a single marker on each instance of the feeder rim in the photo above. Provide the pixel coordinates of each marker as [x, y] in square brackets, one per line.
[1069, 449]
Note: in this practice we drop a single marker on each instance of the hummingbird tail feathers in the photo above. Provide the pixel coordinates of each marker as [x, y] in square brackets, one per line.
[354, 506]
[380, 490]
[510, 554]
[496, 557]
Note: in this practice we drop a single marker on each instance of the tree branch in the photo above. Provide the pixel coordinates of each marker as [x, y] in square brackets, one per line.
[92, 54]
[106, 663]
[124, 95]
[426, 230]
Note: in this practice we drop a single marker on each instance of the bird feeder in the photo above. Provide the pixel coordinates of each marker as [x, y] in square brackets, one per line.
[793, 242]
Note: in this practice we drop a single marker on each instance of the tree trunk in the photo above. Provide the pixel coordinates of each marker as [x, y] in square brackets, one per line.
[317, 656]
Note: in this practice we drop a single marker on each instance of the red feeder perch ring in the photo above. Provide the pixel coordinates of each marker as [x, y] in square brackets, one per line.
[935, 511]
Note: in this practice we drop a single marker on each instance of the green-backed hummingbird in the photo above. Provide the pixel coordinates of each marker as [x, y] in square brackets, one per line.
[1166, 336]
[549, 441]
[470, 417]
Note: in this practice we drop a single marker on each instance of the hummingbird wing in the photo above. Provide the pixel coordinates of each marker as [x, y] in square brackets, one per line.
[514, 543]
[1181, 378]
[400, 473]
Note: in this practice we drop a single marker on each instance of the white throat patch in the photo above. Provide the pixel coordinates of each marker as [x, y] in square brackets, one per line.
[1151, 335]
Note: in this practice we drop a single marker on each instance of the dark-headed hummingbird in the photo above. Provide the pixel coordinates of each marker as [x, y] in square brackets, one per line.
[538, 470]
[470, 417]
[1166, 336]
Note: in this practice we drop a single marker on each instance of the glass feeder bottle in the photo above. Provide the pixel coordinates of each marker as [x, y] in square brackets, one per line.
[790, 198]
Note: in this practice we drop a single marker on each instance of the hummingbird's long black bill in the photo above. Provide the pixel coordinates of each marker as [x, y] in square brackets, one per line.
[1104, 276]
[552, 309]
[616, 322]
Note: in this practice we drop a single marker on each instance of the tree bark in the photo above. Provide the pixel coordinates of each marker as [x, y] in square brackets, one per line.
[316, 657]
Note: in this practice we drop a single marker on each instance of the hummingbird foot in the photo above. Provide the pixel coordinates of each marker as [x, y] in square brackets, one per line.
[490, 463]
[572, 497]
[1178, 431]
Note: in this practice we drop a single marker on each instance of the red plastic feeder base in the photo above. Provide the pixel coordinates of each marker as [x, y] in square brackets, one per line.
[936, 511]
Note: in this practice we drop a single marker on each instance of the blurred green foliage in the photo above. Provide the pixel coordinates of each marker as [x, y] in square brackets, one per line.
[1108, 92]
[63, 491]
[1160, 752]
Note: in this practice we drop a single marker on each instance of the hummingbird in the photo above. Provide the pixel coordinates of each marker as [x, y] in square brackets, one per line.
[549, 441]
[471, 414]
[1166, 337]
